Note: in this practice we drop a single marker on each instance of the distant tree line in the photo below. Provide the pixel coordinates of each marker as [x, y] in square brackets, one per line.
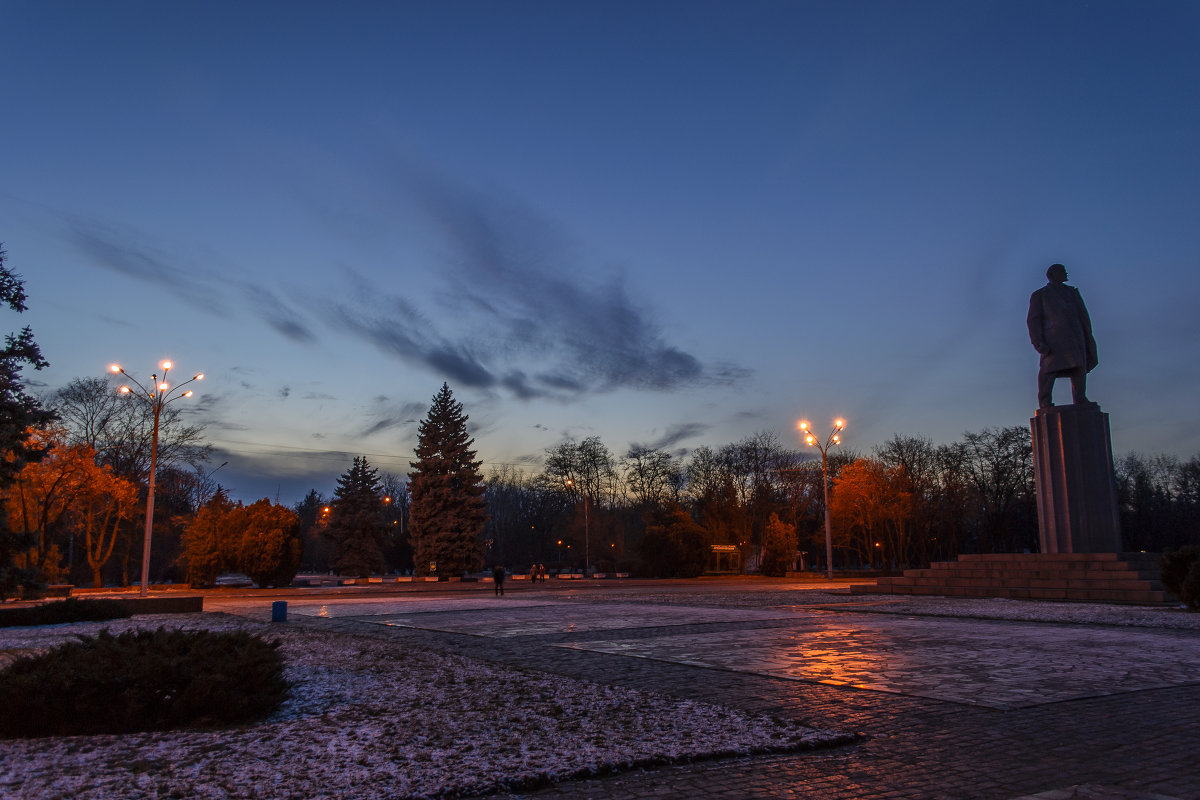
[649, 512]
[908, 503]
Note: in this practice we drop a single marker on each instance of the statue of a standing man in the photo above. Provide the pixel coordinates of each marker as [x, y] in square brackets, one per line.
[1061, 332]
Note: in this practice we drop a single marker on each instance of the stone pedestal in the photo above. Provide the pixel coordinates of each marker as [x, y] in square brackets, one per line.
[1076, 489]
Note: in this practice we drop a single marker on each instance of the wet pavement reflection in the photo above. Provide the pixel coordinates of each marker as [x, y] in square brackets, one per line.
[989, 663]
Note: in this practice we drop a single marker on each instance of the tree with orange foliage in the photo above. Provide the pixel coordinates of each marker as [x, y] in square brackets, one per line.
[208, 549]
[779, 547]
[67, 494]
[41, 497]
[20, 414]
[106, 501]
[269, 549]
[261, 540]
[870, 503]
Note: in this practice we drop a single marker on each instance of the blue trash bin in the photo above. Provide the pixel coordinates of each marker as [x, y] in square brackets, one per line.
[279, 611]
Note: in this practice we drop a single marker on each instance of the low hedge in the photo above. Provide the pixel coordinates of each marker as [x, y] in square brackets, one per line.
[142, 681]
[63, 611]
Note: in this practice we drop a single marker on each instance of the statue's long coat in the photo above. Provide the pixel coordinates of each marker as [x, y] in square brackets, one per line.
[1060, 328]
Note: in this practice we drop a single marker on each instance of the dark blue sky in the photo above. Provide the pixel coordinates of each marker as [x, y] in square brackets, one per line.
[662, 223]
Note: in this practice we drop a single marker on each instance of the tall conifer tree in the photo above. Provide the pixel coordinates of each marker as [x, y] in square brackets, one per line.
[19, 412]
[448, 512]
[355, 527]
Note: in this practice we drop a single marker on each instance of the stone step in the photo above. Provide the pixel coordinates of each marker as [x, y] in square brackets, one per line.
[1107, 577]
[1000, 583]
[1025, 560]
[1034, 575]
[1031, 571]
[1017, 593]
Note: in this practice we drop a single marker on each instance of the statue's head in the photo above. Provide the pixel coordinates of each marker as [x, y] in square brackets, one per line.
[1057, 273]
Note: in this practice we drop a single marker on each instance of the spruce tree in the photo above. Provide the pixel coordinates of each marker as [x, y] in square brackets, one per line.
[448, 512]
[355, 527]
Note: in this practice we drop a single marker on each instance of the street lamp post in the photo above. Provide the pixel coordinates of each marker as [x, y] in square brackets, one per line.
[835, 437]
[157, 397]
[587, 550]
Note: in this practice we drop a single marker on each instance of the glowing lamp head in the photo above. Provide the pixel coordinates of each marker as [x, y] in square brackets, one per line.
[114, 368]
[837, 439]
[124, 390]
[840, 424]
[802, 425]
[188, 393]
[166, 365]
[162, 387]
[810, 439]
[198, 377]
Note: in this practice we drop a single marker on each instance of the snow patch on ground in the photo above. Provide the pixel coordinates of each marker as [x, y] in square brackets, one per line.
[367, 720]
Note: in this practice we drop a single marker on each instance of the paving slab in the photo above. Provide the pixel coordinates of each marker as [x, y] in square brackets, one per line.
[531, 618]
[1000, 665]
[1094, 792]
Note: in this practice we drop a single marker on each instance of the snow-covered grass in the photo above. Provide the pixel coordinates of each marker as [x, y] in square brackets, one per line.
[367, 719]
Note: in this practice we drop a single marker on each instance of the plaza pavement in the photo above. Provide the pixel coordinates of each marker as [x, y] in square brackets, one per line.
[1084, 705]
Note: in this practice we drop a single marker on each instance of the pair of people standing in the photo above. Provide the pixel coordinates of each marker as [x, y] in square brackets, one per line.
[537, 573]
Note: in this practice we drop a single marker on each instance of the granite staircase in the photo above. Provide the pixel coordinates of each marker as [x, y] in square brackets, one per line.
[1085, 577]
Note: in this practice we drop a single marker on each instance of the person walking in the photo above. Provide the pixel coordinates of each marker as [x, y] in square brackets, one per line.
[498, 579]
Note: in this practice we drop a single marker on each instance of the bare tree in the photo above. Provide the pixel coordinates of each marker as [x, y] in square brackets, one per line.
[998, 463]
[587, 465]
[652, 476]
[121, 430]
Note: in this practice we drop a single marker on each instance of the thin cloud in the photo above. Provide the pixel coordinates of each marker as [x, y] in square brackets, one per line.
[387, 415]
[119, 253]
[382, 425]
[517, 382]
[396, 328]
[284, 319]
[126, 254]
[676, 434]
[524, 318]
[525, 286]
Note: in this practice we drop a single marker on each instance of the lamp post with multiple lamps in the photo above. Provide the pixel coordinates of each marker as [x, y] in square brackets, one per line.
[158, 396]
[587, 550]
[835, 437]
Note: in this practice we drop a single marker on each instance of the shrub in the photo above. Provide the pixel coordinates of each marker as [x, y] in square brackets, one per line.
[141, 681]
[63, 611]
[1181, 574]
[779, 548]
